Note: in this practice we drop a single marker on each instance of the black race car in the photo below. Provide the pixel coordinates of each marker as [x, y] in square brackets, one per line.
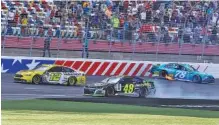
[121, 85]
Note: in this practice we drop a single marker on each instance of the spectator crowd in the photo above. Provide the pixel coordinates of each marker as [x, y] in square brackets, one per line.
[141, 21]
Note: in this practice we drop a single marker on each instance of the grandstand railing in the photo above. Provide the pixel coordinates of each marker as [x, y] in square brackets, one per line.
[69, 38]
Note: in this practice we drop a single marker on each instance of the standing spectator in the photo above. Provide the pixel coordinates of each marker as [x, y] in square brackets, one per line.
[143, 16]
[126, 28]
[47, 46]
[70, 16]
[126, 5]
[85, 48]
[115, 23]
[166, 37]
[217, 21]
[156, 17]
[187, 35]
[134, 10]
[148, 15]
[166, 19]
[58, 15]
[121, 20]
[214, 35]
[86, 8]
[47, 16]
[197, 33]
[215, 18]
[52, 13]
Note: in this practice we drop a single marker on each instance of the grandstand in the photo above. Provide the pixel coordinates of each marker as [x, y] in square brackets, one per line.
[133, 27]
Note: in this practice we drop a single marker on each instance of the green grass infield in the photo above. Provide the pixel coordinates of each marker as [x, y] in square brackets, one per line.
[46, 112]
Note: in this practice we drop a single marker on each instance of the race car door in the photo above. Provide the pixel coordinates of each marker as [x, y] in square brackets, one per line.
[181, 73]
[127, 85]
[55, 75]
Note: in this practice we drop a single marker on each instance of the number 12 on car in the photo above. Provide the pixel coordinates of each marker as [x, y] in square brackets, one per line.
[128, 88]
[55, 76]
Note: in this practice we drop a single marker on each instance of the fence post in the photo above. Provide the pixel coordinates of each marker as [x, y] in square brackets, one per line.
[180, 48]
[58, 43]
[133, 45]
[203, 46]
[158, 44]
[110, 40]
[31, 46]
[181, 41]
[33, 39]
[5, 32]
[85, 40]
[3, 47]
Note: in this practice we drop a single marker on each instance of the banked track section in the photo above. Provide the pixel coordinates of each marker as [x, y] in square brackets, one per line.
[205, 95]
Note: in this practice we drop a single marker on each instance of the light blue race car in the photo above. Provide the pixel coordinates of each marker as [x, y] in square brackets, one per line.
[182, 72]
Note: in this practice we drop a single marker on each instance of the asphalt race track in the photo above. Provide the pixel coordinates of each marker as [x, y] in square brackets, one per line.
[165, 89]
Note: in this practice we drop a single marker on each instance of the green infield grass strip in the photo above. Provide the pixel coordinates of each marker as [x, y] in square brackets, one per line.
[33, 117]
[45, 112]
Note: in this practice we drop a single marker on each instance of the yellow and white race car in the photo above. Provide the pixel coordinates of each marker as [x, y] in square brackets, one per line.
[51, 74]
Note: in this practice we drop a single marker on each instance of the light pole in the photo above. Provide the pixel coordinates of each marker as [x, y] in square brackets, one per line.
[85, 41]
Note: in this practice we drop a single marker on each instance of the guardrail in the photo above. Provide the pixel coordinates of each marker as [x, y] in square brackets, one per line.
[95, 66]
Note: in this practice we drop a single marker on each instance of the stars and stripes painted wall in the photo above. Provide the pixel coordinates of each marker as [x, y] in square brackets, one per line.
[92, 66]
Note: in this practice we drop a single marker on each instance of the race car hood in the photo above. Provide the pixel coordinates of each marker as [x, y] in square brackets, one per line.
[25, 72]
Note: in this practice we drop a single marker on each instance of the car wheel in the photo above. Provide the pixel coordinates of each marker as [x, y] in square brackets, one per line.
[163, 73]
[143, 92]
[109, 91]
[72, 81]
[36, 79]
[153, 91]
[196, 79]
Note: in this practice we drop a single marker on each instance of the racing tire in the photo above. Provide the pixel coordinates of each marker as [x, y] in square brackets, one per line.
[196, 79]
[36, 79]
[72, 81]
[163, 73]
[109, 91]
[143, 92]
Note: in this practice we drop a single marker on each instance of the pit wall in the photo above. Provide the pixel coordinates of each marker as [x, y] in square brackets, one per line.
[98, 67]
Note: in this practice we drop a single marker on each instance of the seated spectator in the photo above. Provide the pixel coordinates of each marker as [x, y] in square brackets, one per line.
[16, 18]
[11, 16]
[30, 20]
[24, 21]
